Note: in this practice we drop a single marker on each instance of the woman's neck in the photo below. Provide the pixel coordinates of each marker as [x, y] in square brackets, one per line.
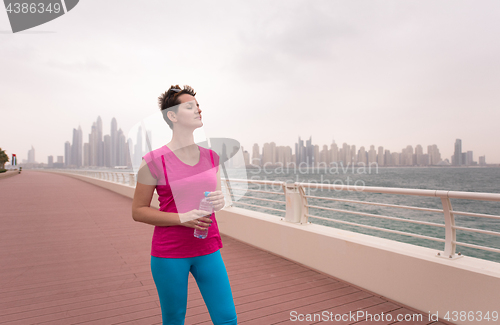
[183, 142]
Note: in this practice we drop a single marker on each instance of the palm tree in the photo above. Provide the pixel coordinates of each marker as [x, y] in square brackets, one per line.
[3, 158]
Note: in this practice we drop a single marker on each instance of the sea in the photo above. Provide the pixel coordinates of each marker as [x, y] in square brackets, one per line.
[467, 179]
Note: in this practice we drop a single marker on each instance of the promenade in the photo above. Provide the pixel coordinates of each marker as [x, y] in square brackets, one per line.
[71, 253]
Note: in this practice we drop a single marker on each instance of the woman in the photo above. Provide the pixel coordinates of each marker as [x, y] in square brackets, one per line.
[181, 172]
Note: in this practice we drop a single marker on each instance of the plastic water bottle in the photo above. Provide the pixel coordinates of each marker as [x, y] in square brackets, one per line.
[205, 205]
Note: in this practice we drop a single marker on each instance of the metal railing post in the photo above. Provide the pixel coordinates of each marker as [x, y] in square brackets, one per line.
[227, 194]
[450, 232]
[293, 203]
[304, 219]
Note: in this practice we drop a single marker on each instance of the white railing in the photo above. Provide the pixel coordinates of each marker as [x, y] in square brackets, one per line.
[296, 205]
[127, 178]
[297, 209]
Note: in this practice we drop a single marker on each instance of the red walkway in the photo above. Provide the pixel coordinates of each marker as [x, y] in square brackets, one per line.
[71, 254]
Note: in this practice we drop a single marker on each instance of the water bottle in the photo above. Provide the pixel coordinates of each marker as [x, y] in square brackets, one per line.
[205, 205]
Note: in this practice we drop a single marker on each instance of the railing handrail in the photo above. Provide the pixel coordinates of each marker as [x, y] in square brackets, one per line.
[407, 191]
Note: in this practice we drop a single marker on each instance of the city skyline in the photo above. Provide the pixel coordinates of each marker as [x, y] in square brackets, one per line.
[110, 150]
[21, 157]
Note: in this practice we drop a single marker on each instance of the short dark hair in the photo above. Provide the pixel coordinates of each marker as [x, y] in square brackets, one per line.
[169, 100]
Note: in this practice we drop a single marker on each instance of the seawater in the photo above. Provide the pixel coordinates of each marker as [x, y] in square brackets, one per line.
[469, 179]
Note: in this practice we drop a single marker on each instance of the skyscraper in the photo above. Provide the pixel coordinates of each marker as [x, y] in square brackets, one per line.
[93, 145]
[76, 147]
[255, 154]
[362, 156]
[107, 150]
[67, 153]
[434, 155]
[138, 148]
[310, 152]
[300, 152]
[457, 156]
[31, 155]
[469, 159]
[334, 152]
[380, 156]
[114, 142]
[419, 156]
[372, 155]
[100, 143]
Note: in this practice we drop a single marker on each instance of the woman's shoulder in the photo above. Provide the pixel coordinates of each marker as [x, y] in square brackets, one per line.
[210, 154]
[155, 154]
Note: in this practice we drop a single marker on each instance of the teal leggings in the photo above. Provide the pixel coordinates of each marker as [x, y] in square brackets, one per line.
[171, 279]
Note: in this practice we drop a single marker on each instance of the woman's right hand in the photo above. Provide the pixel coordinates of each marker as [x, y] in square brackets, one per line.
[195, 219]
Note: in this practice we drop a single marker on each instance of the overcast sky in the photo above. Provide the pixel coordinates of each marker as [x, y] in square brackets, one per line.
[383, 73]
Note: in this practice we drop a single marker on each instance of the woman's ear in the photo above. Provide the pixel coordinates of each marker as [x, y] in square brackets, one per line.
[171, 116]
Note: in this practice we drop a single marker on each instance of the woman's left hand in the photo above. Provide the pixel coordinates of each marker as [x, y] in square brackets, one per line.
[217, 200]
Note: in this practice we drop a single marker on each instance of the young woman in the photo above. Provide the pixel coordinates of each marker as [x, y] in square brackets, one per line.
[181, 172]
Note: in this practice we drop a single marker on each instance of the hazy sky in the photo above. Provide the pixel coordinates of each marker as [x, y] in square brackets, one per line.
[383, 73]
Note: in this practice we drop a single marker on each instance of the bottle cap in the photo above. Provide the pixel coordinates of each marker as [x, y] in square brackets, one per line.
[206, 193]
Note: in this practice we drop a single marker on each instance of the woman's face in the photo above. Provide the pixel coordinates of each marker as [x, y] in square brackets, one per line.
[189, 113]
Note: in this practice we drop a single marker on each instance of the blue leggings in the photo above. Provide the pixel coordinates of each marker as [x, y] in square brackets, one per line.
[171, 279]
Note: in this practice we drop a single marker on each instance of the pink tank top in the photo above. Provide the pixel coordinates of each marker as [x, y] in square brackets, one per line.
[180, 189]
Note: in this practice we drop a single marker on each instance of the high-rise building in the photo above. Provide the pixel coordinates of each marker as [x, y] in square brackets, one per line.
[50, 161]
[380, 156]
[434, 155]
[419, 156]
[345, 156]
[255, 154]
[387, 158]
[362, 156]
[300, 152]
[283, 155]
[316, 156]
[107, 150]
[93, 146]
[269, 154]
[325, 155]
[86, 154]
[76, 148]
[304, 154]
[372, 155]
[128, 155]
[406, 158]
[354, 158]
[469, 159]
[482, 160]
[114, 143]
[67, 153]
[246, 157]
[31, 155]
[138, 152]
[100, 143]
[395, 158]
[457, 156]
[334, 152]
[122, 155]
[79, 150]
[310, 152]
